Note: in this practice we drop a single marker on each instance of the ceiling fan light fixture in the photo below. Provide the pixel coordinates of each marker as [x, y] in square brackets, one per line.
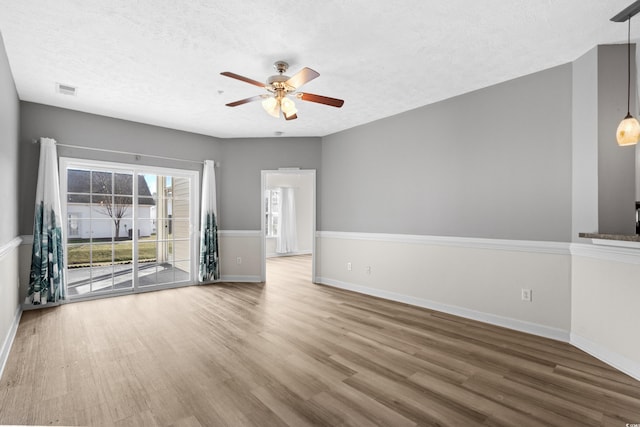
[271, 106]
[280, 87]
[288, 107]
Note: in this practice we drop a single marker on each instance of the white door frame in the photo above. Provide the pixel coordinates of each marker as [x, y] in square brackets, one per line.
[70, 162]
[263, 232]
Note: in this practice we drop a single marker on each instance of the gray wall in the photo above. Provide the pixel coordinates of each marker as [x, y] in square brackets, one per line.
[240, 160]
[243, 159]
[585, 145]
[89, 130]
[604, 174]
[9, 125]
[493, 163]
[616, 165]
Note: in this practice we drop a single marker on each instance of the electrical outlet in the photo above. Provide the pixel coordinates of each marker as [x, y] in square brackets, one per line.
[239, 260]
[367, 269]
[348, 266]
[527, 295]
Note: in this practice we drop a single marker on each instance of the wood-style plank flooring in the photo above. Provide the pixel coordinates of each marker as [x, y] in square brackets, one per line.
[292, 353]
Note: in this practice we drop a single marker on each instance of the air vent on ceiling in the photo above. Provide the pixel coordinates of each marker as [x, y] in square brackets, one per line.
[66, 89]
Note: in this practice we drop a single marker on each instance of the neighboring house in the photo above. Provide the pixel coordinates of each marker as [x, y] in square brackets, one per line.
[99, 203]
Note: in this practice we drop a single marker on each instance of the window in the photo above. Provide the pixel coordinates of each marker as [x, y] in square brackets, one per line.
[272, 212]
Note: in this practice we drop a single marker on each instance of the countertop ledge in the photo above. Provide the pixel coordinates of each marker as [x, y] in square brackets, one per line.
[619, 237]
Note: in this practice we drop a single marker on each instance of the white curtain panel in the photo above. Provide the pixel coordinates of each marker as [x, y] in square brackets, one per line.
[287, 241]
[46, 281]
[209, 258]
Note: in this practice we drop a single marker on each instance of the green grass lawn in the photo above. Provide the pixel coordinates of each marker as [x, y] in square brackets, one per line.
[84, 254]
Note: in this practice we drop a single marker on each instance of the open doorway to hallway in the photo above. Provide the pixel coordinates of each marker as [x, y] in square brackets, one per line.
[289, 216]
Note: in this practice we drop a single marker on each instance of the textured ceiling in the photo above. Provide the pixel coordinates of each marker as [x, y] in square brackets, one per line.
[159, 61]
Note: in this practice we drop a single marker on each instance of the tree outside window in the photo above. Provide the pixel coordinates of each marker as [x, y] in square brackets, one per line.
[116, 191]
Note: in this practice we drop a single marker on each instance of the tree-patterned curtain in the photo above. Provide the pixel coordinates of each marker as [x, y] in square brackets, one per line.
[46, 281]
[209, 259]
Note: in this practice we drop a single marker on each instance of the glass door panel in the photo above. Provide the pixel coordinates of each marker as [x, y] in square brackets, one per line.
[99, 211]
[168, 218]
[147, 265]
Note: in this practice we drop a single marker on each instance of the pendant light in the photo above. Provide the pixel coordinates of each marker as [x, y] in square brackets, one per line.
[628, 132]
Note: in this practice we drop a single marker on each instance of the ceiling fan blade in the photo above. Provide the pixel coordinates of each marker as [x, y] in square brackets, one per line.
[245, 101]
[244, 79]
[334, 102]
[301, 77]
[291, 117]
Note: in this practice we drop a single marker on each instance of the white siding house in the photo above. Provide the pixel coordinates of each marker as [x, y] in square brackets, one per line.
[99, 202]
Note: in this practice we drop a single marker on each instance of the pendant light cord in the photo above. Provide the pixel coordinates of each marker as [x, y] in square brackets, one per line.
[629, 68]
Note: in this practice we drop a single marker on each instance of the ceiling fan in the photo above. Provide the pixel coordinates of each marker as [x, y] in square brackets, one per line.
[281, 87]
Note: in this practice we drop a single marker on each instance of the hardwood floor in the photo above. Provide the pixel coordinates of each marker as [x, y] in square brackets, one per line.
[292, 353]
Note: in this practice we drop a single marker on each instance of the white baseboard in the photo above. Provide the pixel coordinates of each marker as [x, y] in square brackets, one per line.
[506, 322]
[8, 340]
[618, 361]
[248, 279]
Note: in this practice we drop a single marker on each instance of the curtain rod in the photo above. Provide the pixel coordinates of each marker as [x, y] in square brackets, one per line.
[137, 155]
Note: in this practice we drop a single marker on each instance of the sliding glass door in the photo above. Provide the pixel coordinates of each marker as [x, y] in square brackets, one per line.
[129, 228]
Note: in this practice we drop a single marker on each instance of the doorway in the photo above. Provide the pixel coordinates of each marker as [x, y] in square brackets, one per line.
[288, 206]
